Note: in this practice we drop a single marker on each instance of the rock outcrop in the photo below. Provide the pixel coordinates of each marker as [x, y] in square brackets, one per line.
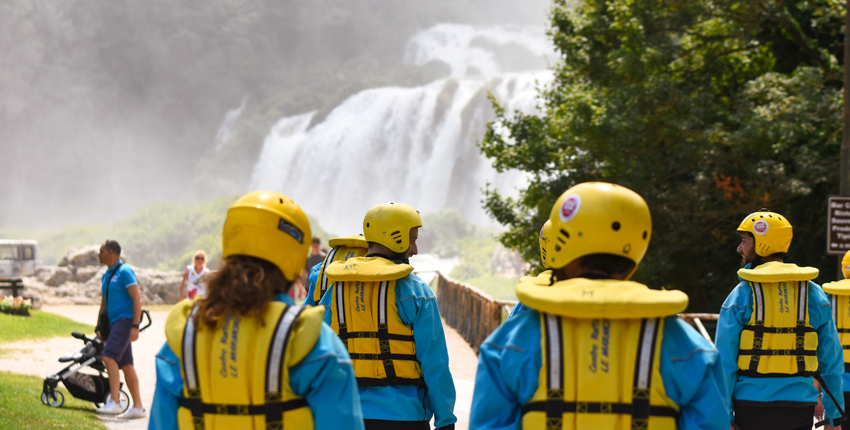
[77, 280]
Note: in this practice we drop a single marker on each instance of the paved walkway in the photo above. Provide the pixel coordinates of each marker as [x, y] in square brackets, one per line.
[40, 358]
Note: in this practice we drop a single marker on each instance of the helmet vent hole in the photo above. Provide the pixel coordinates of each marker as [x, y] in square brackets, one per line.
[644, 235]
[281, 201]
[367, 225]
[615, 226]
[564, 234]
[557, 248]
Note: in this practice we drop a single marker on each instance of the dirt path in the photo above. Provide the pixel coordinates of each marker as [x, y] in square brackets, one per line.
[39, 358]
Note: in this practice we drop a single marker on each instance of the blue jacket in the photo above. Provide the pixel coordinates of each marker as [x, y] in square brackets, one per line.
[509, 365]
[314, 275]
[417, 307]
[735, 314]
[325, 378]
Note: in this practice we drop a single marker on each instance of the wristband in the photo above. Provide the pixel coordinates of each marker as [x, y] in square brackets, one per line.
[135, 326]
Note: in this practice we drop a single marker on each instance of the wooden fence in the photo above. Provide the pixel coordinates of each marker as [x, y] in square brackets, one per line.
[474, 314]
[470, 311]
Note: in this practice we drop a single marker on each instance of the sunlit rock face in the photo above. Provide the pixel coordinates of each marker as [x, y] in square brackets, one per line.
[414, 145]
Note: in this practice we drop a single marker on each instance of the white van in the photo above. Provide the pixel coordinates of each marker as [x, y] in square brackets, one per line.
[18, 258]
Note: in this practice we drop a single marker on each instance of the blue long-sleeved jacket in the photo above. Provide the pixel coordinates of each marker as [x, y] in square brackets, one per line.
[314, 275]
[325, 378]
[509, 365]
[735, 314]
[417, 308]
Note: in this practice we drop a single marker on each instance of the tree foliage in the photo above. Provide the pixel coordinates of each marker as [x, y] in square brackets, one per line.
[710, 109]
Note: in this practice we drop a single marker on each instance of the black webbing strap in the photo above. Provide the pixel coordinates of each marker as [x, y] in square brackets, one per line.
[800, 332]
[384, 334]
[643, 373]
[374, 334]
[825, 421]
[601, 408]
[276, 366]
[277, 408]
[554, 405]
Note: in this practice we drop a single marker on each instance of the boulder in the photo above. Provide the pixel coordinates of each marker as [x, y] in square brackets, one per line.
[86, 273]
[81, 256]
[59, 276]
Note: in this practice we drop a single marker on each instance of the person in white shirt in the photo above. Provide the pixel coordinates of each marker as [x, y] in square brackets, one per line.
[196, 277]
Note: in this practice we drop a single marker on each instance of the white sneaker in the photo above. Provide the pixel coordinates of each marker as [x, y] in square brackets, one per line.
[132, 413]
[110, 408]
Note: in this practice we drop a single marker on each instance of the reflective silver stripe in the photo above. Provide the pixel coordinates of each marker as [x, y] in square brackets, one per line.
[328, 259]
[553, 325]
[802, 302]
[382, 303]
[645, 360]
[340, 303]
[834, 304]
[278, 347]
[759, 301]
[189, 367]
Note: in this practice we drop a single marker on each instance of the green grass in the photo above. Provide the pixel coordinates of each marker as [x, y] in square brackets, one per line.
[39, 325]
[22, 408]
[496, 287]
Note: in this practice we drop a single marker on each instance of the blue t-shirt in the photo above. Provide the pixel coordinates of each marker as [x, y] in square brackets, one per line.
[120, 304]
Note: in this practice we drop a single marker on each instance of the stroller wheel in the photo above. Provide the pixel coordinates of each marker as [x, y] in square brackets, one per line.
[123, 400]
[54, 401]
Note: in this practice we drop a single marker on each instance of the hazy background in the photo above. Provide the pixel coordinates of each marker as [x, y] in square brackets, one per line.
[108, 106]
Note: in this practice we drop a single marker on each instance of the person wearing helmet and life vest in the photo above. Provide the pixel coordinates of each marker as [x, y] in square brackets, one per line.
[342, 248]
[389, 321]
[543, 278]
[775, 332]
[245, 356]
[594, 350]
[839, 298]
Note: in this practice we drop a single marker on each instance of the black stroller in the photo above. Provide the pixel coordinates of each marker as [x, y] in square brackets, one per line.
[86, 386]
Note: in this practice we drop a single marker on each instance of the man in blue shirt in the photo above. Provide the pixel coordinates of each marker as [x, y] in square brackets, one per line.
[123, 305]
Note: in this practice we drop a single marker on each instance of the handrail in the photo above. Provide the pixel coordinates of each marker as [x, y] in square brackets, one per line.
[474, 314]
[470, 311]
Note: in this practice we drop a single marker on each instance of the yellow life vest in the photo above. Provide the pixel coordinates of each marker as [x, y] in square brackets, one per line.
[237, 374]
[778, 340]
[840, 301]
[343, 249]
[365, 316]
[543, 279]
[600, 370]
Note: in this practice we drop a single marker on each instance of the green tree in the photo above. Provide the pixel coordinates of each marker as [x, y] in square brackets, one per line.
[709, 109]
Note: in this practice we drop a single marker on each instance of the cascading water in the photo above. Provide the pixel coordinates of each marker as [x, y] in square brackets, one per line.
[225, 130]
[412, 145]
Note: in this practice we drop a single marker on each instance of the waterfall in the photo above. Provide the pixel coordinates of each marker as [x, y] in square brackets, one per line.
[225, 130]
[413, 145]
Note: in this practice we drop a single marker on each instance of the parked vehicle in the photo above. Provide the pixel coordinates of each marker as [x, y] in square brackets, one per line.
[18, 258]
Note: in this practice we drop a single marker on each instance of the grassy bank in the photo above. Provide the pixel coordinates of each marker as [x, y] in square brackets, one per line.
[22, 408]
[39, 325]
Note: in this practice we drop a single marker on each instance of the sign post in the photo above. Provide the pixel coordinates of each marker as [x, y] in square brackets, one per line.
[838, 225]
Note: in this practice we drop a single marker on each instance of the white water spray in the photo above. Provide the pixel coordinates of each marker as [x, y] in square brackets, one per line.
[412, 145]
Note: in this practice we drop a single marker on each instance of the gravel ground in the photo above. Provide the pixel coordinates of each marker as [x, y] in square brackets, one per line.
[40, 359]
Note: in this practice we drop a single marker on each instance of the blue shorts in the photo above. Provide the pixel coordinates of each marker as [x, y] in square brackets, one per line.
[118, 345]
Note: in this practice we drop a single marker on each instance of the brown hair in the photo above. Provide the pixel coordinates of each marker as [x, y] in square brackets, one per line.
[244, 285]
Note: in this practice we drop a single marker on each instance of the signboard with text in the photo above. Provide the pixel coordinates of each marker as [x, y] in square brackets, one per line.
[838, 225]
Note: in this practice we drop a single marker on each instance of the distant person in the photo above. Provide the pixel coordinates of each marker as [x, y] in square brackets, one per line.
[839, 298]
[316, 256]
[245, 356]
[123, 306]
[342, 249]
[196, 276]
[389, 321]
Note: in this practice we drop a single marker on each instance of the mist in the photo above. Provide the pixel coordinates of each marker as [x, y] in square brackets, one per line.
[109, 106]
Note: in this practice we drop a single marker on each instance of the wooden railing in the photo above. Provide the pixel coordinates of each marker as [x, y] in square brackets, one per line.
[470, 311]
[474, 314]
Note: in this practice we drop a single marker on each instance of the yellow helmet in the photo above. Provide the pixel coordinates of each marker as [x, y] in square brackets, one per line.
[389, 224]
[771, 230]
[598, 218]
[845, 265]
[269, 226]
[545, 240]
